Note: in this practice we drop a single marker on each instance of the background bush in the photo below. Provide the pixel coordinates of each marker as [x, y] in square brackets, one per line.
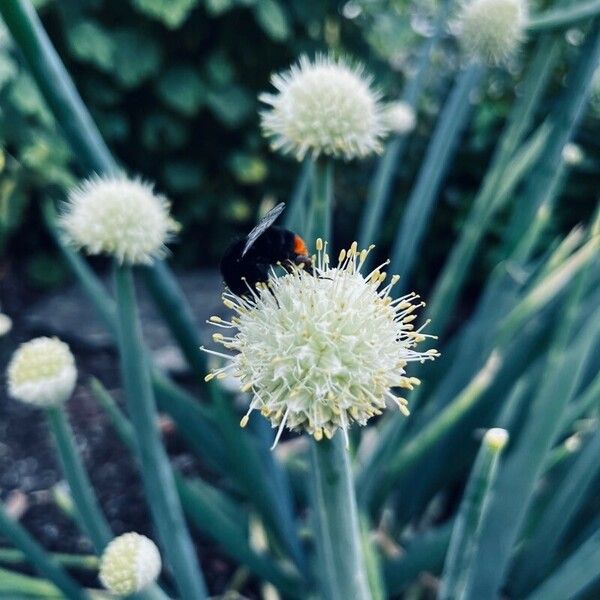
[173, 85]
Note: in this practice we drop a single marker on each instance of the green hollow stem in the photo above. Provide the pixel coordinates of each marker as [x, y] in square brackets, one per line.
[342, 570]
[295, 215]
[472, 512]
[572, 577]
[87, 509]
[157, 475]
[381, 183]
[43, 563]
[57, 86]
[86, 562]
[567, 16]
[321, 205]
[424, 554]
[438, 159]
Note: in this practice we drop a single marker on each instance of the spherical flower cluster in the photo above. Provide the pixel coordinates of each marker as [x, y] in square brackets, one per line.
[129, 563]
[5, 324]
[496, 438]
[324, 107]
[400, 117]
[492, 30]
[42, 372]
[321, 350]
[120, 217]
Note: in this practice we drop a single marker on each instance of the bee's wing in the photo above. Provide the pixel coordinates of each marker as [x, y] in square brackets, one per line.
[263, 225]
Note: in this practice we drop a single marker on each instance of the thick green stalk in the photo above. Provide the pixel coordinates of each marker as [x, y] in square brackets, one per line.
[438, 158]
[157, 475]
[295, 215]
[56, 86]
[381, 183]
[472, 511]
[87, 509]
[38, 558]
[564, 16]
[321, 201]
[576, 574]
[342, 571]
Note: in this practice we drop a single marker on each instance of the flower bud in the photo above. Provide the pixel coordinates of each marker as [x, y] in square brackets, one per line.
[129, 563]
[42, 372]
[400, 117]
[491, 31]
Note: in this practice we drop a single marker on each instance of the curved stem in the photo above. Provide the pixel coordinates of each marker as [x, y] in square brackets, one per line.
[87, 509]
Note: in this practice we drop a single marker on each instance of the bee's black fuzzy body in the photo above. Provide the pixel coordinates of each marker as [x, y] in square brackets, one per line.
[247, 261]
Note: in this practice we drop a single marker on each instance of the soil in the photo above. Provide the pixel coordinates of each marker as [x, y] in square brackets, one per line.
[29, 473]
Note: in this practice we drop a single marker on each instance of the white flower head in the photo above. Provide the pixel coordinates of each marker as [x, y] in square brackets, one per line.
[5, 324]
[129, 563]
[496, 438]
[572, 154]
[491, 31]
[118, 216]
[42, 372]
[324, 107]
[322, 350]
[400, 117]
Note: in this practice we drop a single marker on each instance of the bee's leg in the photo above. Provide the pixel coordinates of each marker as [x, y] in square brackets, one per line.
[304, 260]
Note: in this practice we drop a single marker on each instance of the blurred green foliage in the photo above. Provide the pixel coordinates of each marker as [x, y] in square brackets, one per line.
[173, 86]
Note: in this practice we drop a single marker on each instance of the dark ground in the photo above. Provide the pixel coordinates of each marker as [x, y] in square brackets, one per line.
[28, 467]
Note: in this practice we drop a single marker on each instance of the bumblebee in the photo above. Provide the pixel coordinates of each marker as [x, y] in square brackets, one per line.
[247, 261]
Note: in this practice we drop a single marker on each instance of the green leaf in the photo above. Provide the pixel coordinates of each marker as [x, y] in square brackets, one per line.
[231, 105]
[272, 18]
[90, 43]
[8, 69]
[218, 7]
[576, 574]
[163, 132]
[16, 585]
[171, 13]
[471, 515]
[26, 96]
[137, 57]
[183, 176]
[248, 169]
[181, 89]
